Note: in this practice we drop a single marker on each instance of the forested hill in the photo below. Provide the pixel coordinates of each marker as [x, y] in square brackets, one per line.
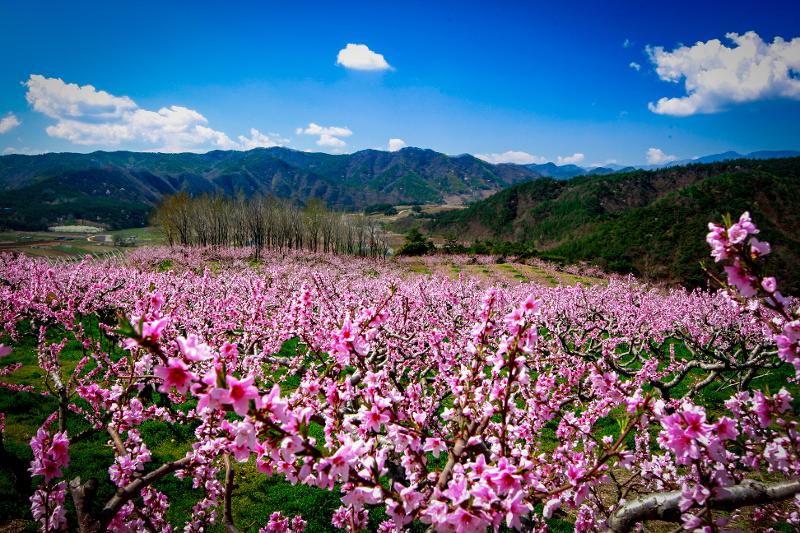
[120, 188]
[647, 222]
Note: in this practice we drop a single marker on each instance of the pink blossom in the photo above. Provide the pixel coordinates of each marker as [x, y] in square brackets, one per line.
[174, 374]
[759, 248]
[552, 505]
[739, 231]
[737, 277]
[466, 522]
[156, 301]
[788, 342]
[361, 496]
[204, 391]
[769, 284]
[244, 441]
[374, 418]
[435, 446]
[683, 432]
[50, 454]
[238, 394]
[516, 509]
[193, 348]
[725, 429]
[717, 238]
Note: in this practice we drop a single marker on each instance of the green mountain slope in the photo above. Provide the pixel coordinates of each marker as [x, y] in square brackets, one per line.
[93, 186]
[650, 223]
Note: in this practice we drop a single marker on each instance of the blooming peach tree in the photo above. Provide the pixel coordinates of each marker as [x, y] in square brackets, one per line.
[447, 403]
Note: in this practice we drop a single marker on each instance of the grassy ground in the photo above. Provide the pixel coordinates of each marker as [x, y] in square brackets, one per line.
[255, 496]
[63, 244]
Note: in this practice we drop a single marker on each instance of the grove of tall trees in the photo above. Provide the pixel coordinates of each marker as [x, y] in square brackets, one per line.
[267, 223]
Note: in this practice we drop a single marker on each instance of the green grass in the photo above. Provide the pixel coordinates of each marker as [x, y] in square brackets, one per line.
[144, 236]
[418, 267]
[255, 495]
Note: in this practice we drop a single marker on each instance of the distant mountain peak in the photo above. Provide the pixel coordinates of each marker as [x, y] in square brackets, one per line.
[99, 185]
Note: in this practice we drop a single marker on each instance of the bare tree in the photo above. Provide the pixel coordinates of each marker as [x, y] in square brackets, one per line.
[267, 223]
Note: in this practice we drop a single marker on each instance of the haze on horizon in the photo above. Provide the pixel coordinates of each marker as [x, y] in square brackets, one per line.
[575, 83]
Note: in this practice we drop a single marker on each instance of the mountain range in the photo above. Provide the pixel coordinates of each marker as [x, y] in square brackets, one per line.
[551, 170]
[649, 222]
[119, 189]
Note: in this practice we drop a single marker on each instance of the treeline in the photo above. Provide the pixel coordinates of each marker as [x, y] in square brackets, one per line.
[267, 223]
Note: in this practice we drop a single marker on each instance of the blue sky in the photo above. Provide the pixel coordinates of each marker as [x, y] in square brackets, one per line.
[519, 81]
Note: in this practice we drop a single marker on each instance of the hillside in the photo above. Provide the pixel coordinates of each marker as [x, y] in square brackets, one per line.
[650, 223]
[120, 188]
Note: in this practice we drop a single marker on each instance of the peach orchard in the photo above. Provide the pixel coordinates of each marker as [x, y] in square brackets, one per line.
[453, 405]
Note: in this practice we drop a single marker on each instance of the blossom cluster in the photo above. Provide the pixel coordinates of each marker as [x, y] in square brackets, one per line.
[50, 456]
[446, 402]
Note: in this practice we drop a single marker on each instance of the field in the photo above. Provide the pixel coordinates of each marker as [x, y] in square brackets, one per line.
[457, 392]
[71, 243]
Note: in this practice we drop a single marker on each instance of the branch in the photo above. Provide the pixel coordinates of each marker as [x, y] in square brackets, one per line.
[83, 494]
[664, 506]
[227, 521]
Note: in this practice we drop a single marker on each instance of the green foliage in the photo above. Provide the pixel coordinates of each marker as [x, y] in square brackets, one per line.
[650, 223]
[416, 244]
[120, 188]
[519, 250]
[36, 208]
[383, 209]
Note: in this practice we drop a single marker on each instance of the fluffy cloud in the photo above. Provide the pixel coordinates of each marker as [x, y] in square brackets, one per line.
[511, 156]
[330, 141]
[573, 159]
[627, 43]
[635, 66]
[8, 123]
[58, 100]
[715, 75]
[360, 57]
[260, 140]
[396, 144]
[316, 129]
[329, 136]
[88, 116]
[656, 156]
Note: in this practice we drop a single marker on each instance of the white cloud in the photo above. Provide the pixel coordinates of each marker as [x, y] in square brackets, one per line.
[261, 140]
[396, 144]
[627, 43]
[635, 66]
[330, 141]
[511, 156]
[573, 159]
[360, 57]
[715, 75]
[8, 123]
[316, 129]
[87, 116]
[656, 156]
[328, 135]
[58, 100]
